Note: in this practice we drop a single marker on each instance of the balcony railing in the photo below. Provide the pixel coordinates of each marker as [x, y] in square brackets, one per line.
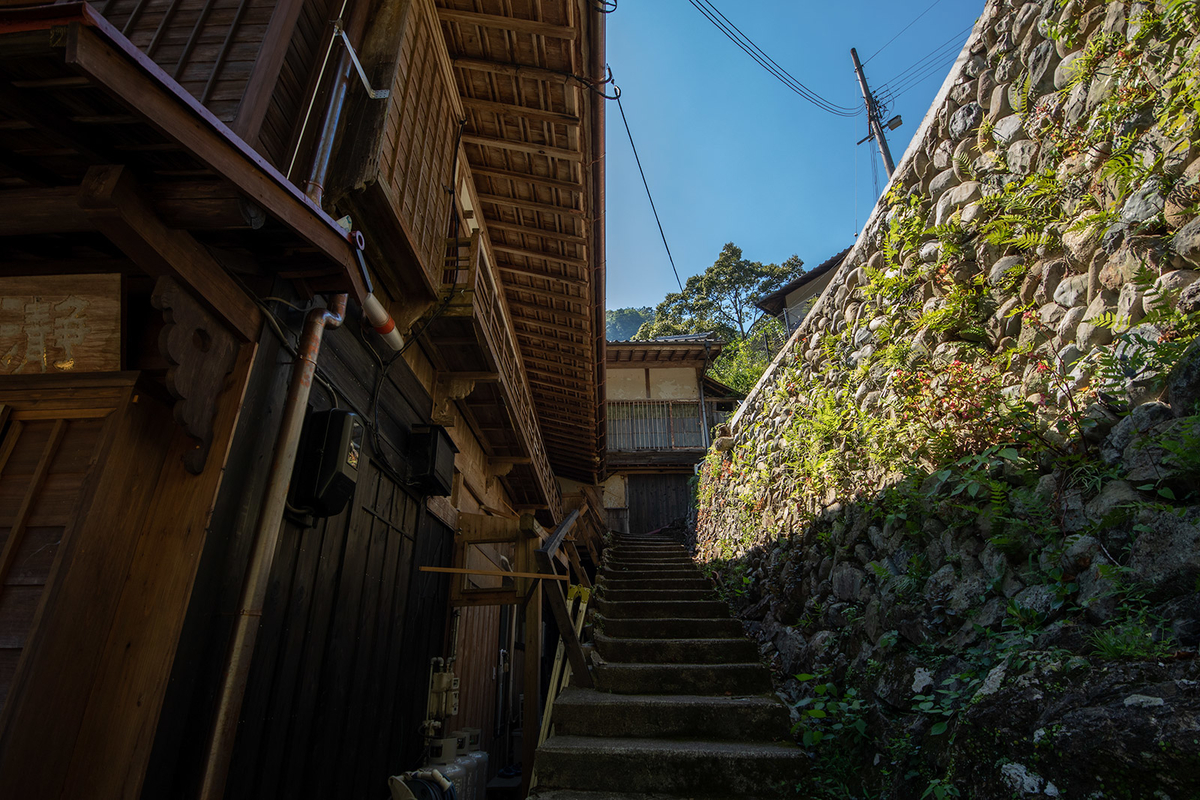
[660, 425]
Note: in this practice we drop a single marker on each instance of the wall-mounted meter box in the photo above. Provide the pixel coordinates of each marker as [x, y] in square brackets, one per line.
[327, 462]
[431, 457]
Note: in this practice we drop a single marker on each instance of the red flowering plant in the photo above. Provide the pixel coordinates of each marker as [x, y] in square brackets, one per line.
[958, 411]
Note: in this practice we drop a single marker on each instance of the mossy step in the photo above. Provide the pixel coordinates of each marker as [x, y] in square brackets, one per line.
[711, 679]
[675, 651]
[668, 627]
[717, 718]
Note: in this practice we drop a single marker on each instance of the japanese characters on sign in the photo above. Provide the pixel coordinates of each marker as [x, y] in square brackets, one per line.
[60, 323]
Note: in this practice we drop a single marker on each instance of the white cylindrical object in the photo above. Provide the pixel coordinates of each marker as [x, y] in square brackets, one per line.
[382, 322]
[443, 751]
[470, 787]
[474, 741]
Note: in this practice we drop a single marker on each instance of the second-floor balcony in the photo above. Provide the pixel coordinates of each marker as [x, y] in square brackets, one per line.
[661, 426]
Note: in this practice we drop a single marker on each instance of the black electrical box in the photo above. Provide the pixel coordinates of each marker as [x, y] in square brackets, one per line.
[327, 462]
[431, 457]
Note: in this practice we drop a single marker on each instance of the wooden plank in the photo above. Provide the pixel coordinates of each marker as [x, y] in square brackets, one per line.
[539, 114]
[566, 628]
[149, 93]
[10, 443]
[499, 22]
[131, 678]
[495, 573]
[532, 272]
[550, 548]
[577, 565]
[532, 683]
[111, 197]
[275, 42]
[63, 323]
[528, 230]
[500, 247]
[529, 148]
[511, 68]
[32, 495]
[484, 171]
[529, 205]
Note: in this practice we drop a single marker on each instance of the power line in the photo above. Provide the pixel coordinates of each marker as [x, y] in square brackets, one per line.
[916, 80]
[950, 45]
[735, 35]
[902, 30]
[629, 133]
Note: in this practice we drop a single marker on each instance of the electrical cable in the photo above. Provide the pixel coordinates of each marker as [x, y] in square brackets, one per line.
[902, 30]
[735, 35]
[629, 133]
[604, 6]
[954, 40]
[934, 69]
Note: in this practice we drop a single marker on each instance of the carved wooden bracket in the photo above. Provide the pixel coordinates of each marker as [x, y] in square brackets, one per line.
[200, 352]
[445, 392]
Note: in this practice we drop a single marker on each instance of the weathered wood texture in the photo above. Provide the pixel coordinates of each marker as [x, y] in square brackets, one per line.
[337, 686]
[404, 173]
[479, 676]
[60, 323]
[656, 500]
[84, 698]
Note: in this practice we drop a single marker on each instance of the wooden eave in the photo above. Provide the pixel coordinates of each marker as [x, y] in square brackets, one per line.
[534, 143]
[687, 353]
[75, 94]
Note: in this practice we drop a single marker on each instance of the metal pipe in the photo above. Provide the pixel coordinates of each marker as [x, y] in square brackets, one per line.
[323, 147]
[266, 536]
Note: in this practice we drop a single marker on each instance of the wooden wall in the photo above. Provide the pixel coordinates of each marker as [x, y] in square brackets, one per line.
[338, 683]
[656, 500]
[479, 644]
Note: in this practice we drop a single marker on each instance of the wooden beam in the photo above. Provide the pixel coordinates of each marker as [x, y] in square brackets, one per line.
[530, 26]
[527, 253]
[526, 230]
[537, 180]
[536, 273]
[554, 326]
[540, 114]
[523, 147]
[495, 573]
[549, 295]
[512, 69]
[109, 195]
[189, 205]
[530, 205]
[141, 85]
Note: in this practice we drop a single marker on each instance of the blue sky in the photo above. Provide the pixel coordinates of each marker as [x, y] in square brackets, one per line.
[730, 153]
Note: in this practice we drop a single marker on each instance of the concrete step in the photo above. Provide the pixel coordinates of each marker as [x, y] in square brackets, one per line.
[670, 562]
[574, 794]
[630, 572]
[595, 713]
[668, 627]
[712, 679]
[676, 651]
[649, 551]
[643, 609]
[654, 583]
[680, 768]
[656, 594]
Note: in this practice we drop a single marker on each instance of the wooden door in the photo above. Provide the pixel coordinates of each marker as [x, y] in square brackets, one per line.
[657, 500]
[49, 446]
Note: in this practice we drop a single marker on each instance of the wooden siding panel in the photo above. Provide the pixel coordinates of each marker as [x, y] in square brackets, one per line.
[656, 500]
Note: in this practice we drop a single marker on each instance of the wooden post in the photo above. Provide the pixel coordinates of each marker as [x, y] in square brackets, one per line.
[533, 684]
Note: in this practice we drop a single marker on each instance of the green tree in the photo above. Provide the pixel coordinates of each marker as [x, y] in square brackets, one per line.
[623, 323]
[721, 299]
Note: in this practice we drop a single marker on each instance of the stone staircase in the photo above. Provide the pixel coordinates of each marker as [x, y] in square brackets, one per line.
[682, 708]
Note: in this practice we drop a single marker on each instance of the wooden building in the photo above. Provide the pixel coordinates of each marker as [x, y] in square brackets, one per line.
[218, 217]
[791, 302]
[662, 408]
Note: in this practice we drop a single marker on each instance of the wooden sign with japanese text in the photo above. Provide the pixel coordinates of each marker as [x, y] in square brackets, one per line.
[60, 323]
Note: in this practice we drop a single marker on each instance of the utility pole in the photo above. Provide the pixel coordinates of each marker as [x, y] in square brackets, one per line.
[873, 123]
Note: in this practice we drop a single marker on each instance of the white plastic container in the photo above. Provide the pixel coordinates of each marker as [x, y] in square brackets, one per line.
[443, 756]
[480, 758]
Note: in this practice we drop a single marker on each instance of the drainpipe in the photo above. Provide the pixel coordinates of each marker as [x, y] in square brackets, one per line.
[266, 536]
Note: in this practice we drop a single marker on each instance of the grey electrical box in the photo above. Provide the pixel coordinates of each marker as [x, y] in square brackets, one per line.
[327, 462]
[431, 456]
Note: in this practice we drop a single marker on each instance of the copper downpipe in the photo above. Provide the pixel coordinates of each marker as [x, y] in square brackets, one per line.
[266, 537]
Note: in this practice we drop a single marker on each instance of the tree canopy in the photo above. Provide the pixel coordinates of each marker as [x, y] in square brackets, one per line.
[623, 323]
[720, 299]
